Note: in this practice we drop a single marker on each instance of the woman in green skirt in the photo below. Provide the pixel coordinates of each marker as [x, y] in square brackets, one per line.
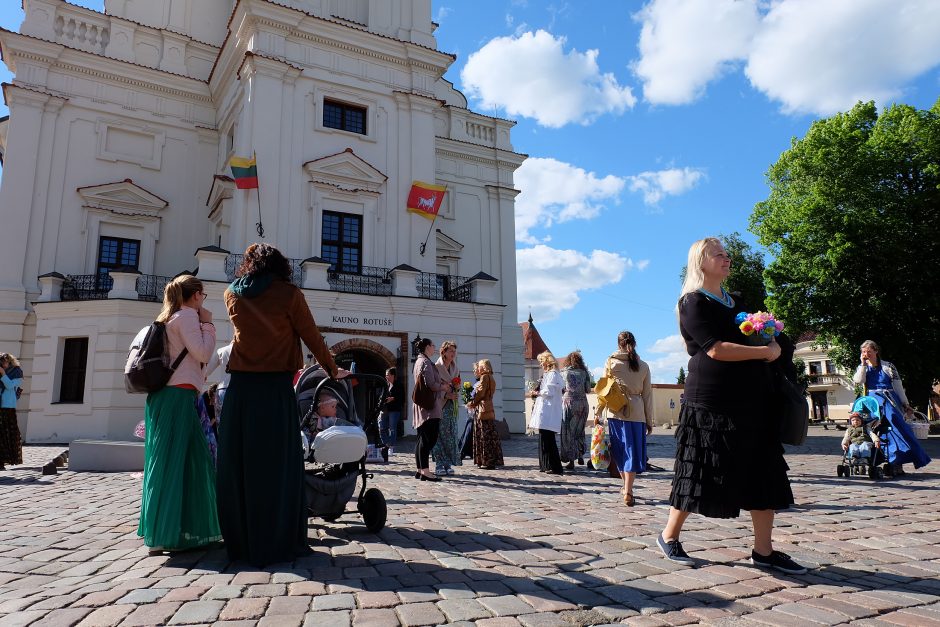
[261, 467]
[177, 510]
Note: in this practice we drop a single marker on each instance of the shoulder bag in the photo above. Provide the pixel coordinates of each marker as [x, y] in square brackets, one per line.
[794, 411]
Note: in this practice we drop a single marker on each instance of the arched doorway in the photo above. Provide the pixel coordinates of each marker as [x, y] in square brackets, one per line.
[365, 357]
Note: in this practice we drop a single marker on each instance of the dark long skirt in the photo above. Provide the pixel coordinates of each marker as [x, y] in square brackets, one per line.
[487, 449]
[725, 464]
[11, 444]
[261, 470]
[549, 461]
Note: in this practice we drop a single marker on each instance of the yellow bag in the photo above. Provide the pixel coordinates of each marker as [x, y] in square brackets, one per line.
[608, 392]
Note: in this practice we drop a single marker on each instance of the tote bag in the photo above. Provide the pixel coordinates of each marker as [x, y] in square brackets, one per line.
[600, 446]
[794, 412]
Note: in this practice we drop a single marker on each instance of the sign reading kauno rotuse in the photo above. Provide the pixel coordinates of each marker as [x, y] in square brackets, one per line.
[363, 320]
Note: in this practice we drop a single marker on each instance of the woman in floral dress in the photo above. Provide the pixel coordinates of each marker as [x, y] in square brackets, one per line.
[445, 453]
[575, 408]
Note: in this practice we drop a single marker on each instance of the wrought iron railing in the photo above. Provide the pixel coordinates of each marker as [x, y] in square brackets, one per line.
[233, 261]
[150, 287]
[86, 287]
[373, 280]
[444, 287]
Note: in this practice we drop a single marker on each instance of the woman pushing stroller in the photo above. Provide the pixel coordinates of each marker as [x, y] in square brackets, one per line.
[881, 377]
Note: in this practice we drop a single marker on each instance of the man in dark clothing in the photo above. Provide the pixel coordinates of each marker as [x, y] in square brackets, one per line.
[391, 404]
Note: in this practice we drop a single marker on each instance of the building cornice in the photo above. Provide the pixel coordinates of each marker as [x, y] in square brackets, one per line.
[484, 154]
[74, 61]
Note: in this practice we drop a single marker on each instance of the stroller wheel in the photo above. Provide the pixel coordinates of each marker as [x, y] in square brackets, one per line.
[373, 509]
[888, 471]
[875, 473]
[840, 470]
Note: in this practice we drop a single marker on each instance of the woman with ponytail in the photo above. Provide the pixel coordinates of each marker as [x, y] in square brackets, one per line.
[629, 426]
[177, 509]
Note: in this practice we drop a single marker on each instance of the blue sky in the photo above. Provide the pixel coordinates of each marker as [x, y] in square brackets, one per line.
[650, 125]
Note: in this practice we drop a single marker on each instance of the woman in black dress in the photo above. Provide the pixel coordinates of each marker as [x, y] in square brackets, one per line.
[728, 454]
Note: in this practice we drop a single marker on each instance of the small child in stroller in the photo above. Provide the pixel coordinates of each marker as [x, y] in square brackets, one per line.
[861, 447]
[319, 418]
[858, 440]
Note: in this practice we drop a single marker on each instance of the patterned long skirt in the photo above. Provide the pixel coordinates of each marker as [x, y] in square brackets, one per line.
[574, 418]
[487, 449]
[445, 453]
[11, 445]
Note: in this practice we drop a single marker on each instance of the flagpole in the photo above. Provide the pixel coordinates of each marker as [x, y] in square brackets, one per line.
[259, 227]
[422, 247]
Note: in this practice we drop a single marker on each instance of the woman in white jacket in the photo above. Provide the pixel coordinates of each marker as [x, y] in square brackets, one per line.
[547, 414]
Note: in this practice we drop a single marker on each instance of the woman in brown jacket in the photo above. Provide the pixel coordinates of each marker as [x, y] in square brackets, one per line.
[487, 449]
[261, 468]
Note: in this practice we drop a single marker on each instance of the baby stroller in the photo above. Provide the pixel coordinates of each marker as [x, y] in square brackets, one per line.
[870, 411]
[337, 454]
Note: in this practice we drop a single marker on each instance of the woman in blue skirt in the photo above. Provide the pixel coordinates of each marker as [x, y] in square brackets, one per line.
[629, 427]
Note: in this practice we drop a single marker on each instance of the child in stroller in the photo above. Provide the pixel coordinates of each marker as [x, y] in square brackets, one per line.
[335, 445]
[860, 446]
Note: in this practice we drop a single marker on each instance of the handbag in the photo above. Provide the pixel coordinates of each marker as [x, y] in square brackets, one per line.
[794, 411]
[423, 396]
[600, 446]
[608, 391]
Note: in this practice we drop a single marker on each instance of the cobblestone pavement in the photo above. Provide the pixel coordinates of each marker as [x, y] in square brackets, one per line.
[488, 548]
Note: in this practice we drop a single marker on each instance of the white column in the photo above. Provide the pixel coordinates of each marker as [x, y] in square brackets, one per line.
[51, 284]
[211, 263]
[315, 273]
[125, 284]
[404, 280]
[483, 289]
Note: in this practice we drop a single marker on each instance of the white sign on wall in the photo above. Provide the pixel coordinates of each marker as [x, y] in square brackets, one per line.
[359, 320]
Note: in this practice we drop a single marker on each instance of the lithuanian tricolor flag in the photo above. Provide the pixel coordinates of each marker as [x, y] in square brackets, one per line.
[245, 172]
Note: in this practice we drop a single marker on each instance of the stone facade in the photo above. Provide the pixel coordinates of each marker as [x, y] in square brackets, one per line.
[121, 128]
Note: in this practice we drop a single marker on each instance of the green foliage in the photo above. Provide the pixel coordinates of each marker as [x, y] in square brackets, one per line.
[853, 220]
[681, 378]
[802, 377]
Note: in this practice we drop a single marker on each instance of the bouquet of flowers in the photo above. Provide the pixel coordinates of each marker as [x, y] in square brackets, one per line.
[467, 392]
[140, 430]
[759, 323]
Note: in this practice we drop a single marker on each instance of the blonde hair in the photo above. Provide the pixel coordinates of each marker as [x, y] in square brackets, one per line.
[177, 292]
[447, 344]
[694, 277]
[547, 360]
[484, 366]
[10, 359]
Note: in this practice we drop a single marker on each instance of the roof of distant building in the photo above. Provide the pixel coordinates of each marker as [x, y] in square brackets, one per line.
[532, 342]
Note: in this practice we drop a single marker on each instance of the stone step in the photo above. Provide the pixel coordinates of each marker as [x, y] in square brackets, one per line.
[106, 456]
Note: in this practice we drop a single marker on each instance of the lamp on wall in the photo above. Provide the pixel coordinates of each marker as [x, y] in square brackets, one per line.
[415, 351]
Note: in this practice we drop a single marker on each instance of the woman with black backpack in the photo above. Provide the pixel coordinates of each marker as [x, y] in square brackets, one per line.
[11, 380]
[178, 505]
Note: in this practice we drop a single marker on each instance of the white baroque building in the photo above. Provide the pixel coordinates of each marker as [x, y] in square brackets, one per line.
[115, 178]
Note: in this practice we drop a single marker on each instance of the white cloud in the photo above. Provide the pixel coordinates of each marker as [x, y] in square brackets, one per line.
[550, 279]
[553, 191]
[669, 355]
[823, 57]
[810, 56]
[442, 14]
[670, 182]
[531, 75]
[684, 45]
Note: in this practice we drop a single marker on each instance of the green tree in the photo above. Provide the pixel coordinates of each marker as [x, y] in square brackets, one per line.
[681, 378]
[853, 220]
[747, 271]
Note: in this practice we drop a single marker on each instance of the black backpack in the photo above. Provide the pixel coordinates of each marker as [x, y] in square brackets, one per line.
[147, 369]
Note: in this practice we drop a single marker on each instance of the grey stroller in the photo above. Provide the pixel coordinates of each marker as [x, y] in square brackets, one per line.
[336, 455]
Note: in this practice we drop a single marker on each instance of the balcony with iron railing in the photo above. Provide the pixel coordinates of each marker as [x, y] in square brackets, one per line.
[820, 380]
[216, 264]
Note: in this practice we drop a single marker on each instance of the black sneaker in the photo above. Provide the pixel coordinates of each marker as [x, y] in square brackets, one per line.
[673, 552]
[777, 561]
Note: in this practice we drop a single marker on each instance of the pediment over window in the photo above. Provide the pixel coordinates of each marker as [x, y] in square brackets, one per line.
[447, 246]
[124, 197]
[346, 171]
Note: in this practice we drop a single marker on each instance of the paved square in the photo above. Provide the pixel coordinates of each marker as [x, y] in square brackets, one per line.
[492, 548]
